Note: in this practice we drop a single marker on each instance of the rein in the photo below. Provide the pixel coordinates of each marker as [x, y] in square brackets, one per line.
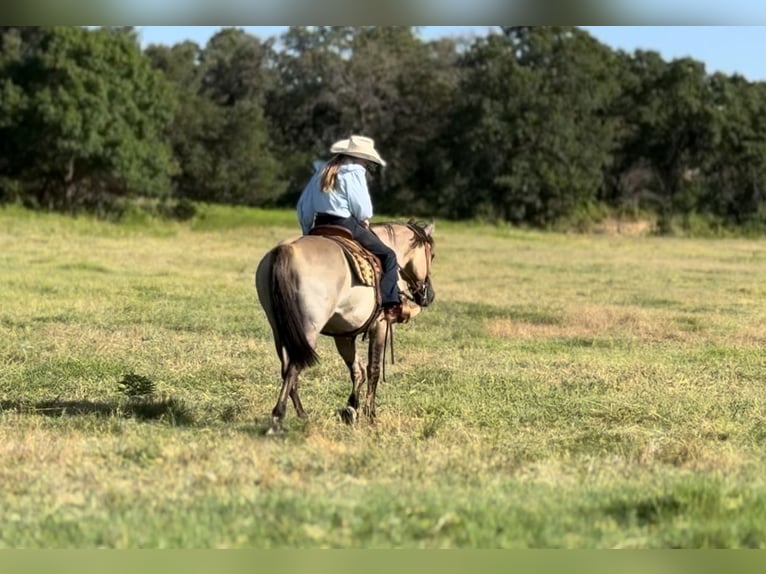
[415, 286]
[389, 334]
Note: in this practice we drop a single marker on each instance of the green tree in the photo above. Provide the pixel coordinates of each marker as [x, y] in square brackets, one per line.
[83, 117]
[306, 105]
[734, 173]
[381, 81]
[401, 90]
[631, 182]
[220, 135]
[532, 136]
[669, 114]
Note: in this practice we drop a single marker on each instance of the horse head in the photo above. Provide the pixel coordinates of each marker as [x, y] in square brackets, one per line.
[415, 266]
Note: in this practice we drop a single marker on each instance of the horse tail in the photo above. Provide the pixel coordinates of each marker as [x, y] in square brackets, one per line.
[289, 317]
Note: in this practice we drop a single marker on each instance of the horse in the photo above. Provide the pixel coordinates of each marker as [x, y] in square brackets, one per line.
[307, 288]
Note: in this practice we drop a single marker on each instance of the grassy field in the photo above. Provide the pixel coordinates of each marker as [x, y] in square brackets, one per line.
[565, 391]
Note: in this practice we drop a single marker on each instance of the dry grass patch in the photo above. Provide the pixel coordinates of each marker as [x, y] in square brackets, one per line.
[629, 228]
[589, 321]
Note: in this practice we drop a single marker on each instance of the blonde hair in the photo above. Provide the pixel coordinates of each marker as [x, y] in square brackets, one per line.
[330, 174]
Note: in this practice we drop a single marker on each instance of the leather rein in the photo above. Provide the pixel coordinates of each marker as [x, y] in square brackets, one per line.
[418, 289]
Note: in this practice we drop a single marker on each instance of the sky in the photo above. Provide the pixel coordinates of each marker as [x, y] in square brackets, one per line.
[728, 49]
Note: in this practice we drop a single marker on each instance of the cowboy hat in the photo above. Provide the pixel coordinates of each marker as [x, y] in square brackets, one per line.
[358, 146]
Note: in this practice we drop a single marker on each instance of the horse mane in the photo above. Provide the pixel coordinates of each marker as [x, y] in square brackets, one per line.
[419, 236]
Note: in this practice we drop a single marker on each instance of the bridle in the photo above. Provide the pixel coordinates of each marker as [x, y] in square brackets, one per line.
[418, 289]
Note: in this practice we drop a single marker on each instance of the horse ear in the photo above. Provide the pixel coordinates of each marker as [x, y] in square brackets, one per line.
[429, 229]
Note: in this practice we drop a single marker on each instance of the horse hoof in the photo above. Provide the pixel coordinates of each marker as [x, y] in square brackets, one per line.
[371, 417]
[348, 415]
[275, 429]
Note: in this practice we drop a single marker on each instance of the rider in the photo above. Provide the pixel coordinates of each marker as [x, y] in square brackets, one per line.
[337, 194]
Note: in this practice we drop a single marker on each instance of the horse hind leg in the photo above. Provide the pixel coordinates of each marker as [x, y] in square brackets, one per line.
[299, 410]
[291, 371]
[289, 389]
[347, 348]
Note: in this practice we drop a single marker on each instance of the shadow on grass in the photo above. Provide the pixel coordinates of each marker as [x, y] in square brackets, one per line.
[168, 409]
[646, 512]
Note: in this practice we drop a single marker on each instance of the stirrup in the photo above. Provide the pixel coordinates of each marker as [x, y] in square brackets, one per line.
[395, 314]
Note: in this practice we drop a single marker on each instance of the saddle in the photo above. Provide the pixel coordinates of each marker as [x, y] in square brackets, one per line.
[364, 265]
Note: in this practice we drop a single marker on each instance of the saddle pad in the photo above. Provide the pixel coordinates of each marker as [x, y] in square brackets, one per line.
[364, 265]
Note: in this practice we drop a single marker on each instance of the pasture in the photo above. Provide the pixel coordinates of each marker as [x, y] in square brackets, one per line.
[564, 391]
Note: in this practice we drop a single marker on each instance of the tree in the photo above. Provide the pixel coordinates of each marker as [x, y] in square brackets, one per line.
[669, 115]
[219, 135]
[381, 81]
[235, 67]
[83, 118]
[734, 173]
[402, 90]
[531, 137]
[305, 105]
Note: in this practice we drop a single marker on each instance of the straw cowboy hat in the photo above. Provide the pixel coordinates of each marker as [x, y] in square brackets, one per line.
[358, 146]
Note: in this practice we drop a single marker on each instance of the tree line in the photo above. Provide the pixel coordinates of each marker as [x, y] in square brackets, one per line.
[528, 125]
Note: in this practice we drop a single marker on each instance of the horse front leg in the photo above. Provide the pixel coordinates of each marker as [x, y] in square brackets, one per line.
[347, 348]
[377, 335]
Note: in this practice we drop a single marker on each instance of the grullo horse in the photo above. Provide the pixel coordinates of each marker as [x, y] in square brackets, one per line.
[307, 287]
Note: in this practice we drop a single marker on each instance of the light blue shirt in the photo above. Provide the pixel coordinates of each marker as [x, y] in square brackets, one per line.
[350, 197]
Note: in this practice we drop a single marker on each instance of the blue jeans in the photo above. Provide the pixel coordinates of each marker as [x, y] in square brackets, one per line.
[389, 290]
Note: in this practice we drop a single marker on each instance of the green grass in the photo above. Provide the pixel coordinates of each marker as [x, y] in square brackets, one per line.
[565, 391]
